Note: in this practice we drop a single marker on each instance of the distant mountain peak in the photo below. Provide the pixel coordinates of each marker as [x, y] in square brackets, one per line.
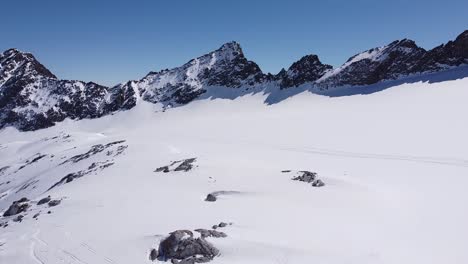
[307, 69]
[232, 46]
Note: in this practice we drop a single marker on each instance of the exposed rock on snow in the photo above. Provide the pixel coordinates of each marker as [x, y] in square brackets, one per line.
[308, 177]
[94, 167]
[97, 149]
[153, 254]
[32, 160]
[17, 207]
[181, 245]
[210, 198]
[222, 224]
[54, 203]
[210, 233]
[44, 200]
[163, 169]
[19, 218]
[179, 165]
[318, 183]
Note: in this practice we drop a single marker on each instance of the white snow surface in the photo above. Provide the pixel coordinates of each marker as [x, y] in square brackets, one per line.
[395, 165]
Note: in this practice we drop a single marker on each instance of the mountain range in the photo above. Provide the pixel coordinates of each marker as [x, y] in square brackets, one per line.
[32, 97]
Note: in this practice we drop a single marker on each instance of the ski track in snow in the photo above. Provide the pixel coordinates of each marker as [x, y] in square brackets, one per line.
[69, 251]
[338, 153]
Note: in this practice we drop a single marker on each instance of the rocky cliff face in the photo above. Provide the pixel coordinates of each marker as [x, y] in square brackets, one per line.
[308, 69]
[31, 97]
[452, 54]
[225, 67]
[388, 62]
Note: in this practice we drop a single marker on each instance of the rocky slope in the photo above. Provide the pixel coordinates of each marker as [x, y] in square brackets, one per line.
[31, 97]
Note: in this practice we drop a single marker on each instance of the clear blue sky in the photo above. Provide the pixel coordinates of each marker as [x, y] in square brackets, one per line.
[114, 41]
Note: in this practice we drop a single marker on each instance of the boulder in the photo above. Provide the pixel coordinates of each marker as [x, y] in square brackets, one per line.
[44, 200]
[153, 254]
[181, 245]
[19, 218]
[210, 198]
[164, 169]
[318, 183]
[17, 207]
[54, 203]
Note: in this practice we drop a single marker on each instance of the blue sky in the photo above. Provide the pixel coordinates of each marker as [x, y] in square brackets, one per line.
[114, 41]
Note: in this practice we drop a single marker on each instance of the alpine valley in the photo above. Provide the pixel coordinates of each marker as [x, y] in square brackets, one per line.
[216, 161]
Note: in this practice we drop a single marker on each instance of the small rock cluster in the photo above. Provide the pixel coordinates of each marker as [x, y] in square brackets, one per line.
[19, 208]
[308, 177]
[178, 165]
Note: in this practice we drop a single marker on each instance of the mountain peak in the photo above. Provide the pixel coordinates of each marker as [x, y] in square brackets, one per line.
[307, 69]
[407, 43]
[21, 64]
[462, 36]
[232, 46]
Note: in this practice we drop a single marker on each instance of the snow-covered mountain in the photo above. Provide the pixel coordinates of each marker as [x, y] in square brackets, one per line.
[224, 67]
[31, 97]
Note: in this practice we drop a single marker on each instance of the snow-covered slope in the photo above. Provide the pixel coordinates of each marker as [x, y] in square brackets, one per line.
[31, 97]
[394, 164]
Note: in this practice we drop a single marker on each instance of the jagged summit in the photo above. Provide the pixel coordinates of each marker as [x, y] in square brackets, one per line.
[398, 58]
[226, 66]
[308, 69]
[232, 46]
[31, 97]
[17, 64]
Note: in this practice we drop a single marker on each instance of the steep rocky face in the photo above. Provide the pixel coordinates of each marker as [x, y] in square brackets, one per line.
[388, 62]
[226, 67]
[31, 97]
[454, 53]
[307, 69]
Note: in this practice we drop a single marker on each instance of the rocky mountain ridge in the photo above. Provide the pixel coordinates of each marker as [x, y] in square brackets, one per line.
[31, 97]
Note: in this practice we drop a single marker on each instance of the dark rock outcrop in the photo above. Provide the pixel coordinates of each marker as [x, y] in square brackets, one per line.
[210, 198]
[17, 207]
[178, 165]
[308, 177]
[307, 69]
[44, 200]
[181, 245]
[54, 203]
[153, 254]
[210, 233]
